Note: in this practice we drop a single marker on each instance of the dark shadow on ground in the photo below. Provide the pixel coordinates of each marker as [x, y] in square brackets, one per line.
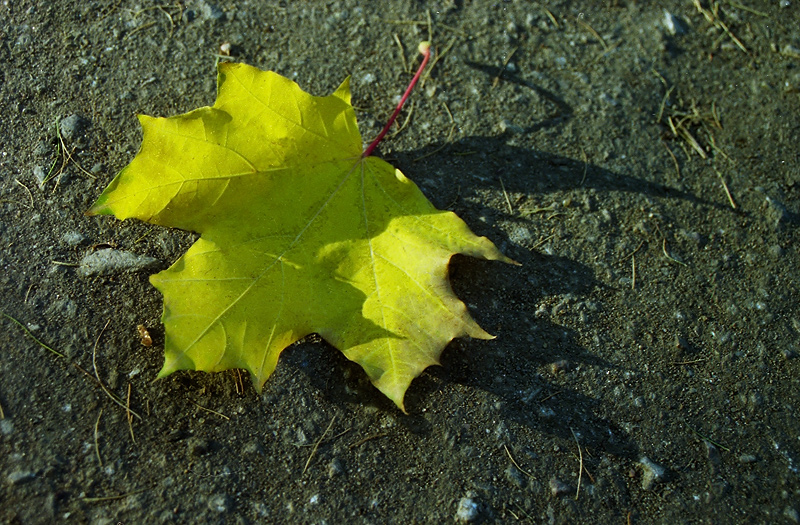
[529, 344]
[477, 163]
[561, 110]
[519, 366]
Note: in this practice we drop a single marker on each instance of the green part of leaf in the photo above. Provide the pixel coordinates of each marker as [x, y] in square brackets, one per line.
[299, 234]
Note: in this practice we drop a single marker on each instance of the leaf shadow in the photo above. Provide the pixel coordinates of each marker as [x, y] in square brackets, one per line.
[534, 356]
[533, 361]
[530, 365]
[478, 163]
[562, 111]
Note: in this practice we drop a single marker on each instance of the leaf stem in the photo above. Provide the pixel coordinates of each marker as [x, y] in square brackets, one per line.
[425, 49]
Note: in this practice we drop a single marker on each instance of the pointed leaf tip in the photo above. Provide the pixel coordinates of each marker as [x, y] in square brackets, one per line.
[343, 91]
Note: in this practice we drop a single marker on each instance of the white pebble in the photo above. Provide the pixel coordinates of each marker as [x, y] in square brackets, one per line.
[467, 510]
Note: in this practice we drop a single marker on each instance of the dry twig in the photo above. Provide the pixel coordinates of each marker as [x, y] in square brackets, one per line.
[594, 33]
[725, 187]
[201, 407]
[580, 469]
[316, 445]
[129, 415]
[29, 334]
[508, 452]
[111, 396]
[368, 438]
[96, 439]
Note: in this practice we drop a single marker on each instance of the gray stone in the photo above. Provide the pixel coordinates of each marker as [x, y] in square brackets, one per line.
[506, 125]
[714, 458]
[6, 427]
[253, 448]
[790, 51]
[653, 473]
[211, 11]
[40, 175]
[20, 476]
[335, 468]
[73, 126]
[515, 477]
[467, 510]
[63, 306]
[776, 251]
[776, 213]
[674, 24]
[558, 488]
[109, 261]
[73, 238]
[42, 149]
[219, 503]
[747, 458]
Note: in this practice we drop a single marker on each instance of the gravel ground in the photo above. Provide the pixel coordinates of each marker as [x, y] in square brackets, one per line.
[640, 159]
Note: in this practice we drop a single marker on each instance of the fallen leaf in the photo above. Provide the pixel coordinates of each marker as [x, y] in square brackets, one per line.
[300, 233]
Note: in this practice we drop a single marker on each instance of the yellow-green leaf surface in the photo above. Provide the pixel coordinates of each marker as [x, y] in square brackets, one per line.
[299, 234]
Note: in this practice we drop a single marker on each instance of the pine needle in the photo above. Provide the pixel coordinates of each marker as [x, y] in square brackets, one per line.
[316, 445]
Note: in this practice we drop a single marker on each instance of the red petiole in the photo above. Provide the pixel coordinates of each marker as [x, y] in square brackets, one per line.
[425, 49]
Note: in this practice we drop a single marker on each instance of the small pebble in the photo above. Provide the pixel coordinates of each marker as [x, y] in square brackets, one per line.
[653, 473]
[110, 261]
[253, 448]
[211, 11]
[73, 238]
[20, 476]
[714, 459]
[6, 426]
[73, 126]
[790, 51]
[219, 503]
[747, 458]
[197, 446]
[506, 125]
[558, 488]
[501, 432]
[515, 477]
[776, 251]
[605, 98]
[546, 412]
[39, 175]
[520, 235]
[42, 149]
[674, 24]
[335, 468]
[562, 365]
[776, 212]
[467, 510]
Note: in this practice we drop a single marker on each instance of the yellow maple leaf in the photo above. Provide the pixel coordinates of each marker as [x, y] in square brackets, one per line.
[300, 233]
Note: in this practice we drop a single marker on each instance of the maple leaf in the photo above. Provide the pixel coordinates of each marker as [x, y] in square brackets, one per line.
[300, 233]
